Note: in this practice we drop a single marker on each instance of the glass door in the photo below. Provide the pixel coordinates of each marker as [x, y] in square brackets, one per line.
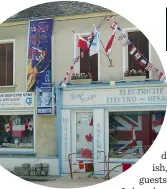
[84, 135]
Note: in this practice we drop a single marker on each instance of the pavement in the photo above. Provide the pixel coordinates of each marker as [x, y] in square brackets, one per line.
[66, 182]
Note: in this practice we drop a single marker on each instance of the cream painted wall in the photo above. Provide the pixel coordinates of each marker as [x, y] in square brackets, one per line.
[63, 49]
[63, 55]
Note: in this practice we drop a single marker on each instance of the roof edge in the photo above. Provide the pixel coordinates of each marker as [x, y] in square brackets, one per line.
[58, 18]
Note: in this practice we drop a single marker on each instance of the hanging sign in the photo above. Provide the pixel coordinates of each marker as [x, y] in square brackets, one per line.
[39, 55]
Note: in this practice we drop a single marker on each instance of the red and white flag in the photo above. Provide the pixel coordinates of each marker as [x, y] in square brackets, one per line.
[161, 76]
[149, 67]
[110, 42]
[83, 44]
[133, 50]
[109, 18]
[143, 62]
[157, 124]
[137, 56]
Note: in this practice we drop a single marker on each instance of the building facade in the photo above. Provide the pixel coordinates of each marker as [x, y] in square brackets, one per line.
[102, 102]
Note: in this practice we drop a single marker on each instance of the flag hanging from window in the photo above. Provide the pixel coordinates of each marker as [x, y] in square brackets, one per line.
[83, 44]
[95, 43]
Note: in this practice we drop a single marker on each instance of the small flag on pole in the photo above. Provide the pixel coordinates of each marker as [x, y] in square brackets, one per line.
[110, 42]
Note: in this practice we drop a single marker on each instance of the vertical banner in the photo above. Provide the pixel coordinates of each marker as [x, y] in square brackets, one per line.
[99, 139]
[45, 102]
[65, 141]
[39, 75]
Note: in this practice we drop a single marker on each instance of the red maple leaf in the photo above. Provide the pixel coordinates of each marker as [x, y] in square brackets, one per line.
[86, 153]
[89, 137]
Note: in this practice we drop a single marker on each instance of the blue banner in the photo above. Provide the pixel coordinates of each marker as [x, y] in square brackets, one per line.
[39, 75]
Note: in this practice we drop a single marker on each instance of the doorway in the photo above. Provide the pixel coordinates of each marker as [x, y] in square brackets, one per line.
[84, 135]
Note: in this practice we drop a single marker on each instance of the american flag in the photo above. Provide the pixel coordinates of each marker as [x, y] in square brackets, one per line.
[132, 134]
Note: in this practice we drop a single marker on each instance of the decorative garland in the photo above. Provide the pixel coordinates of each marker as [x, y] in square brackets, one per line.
[156, 73]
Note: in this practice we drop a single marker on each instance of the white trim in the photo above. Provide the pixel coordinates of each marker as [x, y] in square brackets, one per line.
[125, 51]
[76, 53]
[34, 130]
[26, 62]
[6, 41]
[8, 86]
[150, 57]
[52, 59]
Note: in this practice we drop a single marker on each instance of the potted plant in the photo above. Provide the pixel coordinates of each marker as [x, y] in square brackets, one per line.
[82, 78]
[134, 75]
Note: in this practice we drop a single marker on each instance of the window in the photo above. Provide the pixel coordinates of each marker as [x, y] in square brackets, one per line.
[6, 62]
[132, 133]
[87, 63]
[84, 135]
[16, 131]
[140, 41]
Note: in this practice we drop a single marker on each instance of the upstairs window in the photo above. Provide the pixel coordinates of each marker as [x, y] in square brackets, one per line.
[6, 63]
[141, 42]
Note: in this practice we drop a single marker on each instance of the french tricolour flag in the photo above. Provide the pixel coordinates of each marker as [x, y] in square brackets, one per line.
[157, 124]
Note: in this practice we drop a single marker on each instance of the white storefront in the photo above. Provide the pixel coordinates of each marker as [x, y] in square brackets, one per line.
[83, 118]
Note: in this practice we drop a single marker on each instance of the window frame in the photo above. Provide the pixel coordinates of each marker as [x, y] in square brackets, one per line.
[23, 150]
[6, 41]
[125, 52]
[77, 53]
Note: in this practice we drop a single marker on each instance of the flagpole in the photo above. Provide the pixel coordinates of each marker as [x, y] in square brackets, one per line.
[107, 55]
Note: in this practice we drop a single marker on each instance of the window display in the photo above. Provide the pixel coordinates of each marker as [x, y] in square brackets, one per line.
[84, 135]
[16, 131]
[132, 133]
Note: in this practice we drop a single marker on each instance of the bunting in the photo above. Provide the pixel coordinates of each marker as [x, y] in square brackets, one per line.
[156, 73]
[92, 45]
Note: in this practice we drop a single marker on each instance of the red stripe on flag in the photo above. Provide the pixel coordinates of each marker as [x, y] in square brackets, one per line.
[158, 122]
[125, 167]
[110, 43]
[83, 44]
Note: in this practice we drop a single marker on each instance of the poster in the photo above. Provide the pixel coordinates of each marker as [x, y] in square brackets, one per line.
[45, 102]
[39, 75]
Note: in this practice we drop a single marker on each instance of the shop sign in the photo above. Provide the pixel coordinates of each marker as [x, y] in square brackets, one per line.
[17, 100]
[116, 96]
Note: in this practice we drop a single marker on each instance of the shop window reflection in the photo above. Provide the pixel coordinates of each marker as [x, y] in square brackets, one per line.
[16, 131]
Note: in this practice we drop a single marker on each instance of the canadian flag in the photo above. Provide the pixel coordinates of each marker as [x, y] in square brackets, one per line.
[143, 62]
[137, 56]
[29, 125]
[110, 42]
[83, 44]
[133, 50]
[157, 124]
